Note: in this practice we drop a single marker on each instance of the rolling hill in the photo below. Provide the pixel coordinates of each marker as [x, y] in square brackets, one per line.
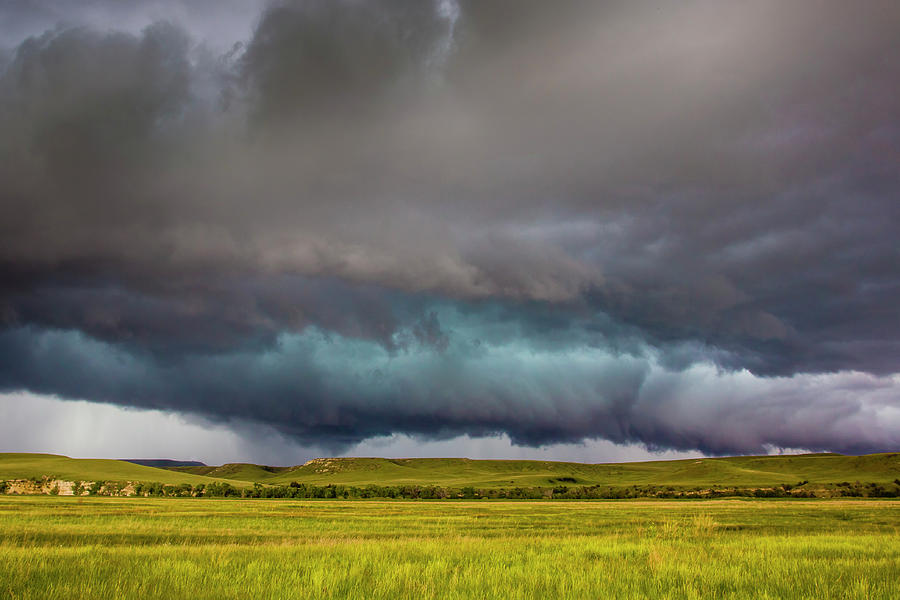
[745, 471]
[54, 466]
[742, 471]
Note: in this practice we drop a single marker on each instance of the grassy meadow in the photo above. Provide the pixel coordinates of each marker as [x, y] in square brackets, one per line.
[91, 547]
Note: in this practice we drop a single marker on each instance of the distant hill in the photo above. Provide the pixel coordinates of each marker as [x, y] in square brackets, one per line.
[744, 471]
[163, 462]
[28, 466]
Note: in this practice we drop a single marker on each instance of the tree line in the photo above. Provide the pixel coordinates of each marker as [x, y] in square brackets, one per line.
[297, 490]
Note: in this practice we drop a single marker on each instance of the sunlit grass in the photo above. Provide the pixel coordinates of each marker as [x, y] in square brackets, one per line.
[208, 548]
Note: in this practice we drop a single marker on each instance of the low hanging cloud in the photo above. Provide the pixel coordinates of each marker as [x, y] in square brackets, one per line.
[350, 219]
[332, 392]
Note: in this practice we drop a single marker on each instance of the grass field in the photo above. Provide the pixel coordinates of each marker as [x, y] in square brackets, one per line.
[53, 547]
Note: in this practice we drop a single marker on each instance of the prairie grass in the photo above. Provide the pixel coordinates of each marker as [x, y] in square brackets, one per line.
[229, 548]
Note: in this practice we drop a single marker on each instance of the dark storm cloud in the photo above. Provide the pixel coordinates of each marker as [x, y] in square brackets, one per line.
[321, 56]
[217, 22]
[333, 393]
[707, 182]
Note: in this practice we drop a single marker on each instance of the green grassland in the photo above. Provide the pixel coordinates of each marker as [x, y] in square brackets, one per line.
[460, 472]
[55, 547]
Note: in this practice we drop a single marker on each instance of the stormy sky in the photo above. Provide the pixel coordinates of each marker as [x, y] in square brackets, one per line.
[579, 229]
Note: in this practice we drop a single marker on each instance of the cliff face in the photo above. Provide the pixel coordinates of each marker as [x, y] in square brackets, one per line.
[61, 487]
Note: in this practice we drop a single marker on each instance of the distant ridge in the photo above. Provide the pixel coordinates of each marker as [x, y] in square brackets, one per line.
[810, 471]
[18, 465]
[163, 462]
[739, 471]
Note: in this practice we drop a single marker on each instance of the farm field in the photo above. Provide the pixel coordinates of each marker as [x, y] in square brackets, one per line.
[90, 547]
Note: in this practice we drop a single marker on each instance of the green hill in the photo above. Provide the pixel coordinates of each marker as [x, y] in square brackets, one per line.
[744, 471]
[54, 466]
[238, 471]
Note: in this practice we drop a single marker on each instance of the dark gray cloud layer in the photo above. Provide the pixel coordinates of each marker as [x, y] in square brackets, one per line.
[332, 393]
[665, 185]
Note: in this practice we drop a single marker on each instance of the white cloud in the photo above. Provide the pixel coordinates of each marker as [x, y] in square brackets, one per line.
[500, 447]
